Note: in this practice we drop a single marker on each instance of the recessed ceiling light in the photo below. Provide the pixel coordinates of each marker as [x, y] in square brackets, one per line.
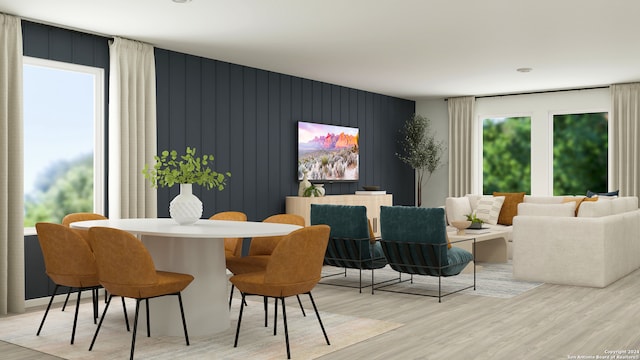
[181, 1]
[524, 70]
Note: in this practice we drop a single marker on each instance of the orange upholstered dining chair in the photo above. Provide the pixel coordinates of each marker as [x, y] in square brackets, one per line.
[82, 216]
[294, 268]
[69, 262]
[260, 251]
[232, 246]
[125, 268]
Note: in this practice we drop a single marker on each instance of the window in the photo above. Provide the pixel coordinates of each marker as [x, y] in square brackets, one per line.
[506, 155]
[580, 152]
[63, 147]
[567, 143]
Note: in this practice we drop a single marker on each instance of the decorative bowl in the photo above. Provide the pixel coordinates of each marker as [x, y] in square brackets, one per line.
[371, 187]
[461, 225]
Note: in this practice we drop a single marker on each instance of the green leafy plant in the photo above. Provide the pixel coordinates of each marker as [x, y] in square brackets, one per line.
[473, 218]
[420, 149]
[312, 191]
[188, 169]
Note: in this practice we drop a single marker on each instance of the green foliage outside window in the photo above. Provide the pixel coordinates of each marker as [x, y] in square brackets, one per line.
[580, 151]
[63, 188]
[506, 154]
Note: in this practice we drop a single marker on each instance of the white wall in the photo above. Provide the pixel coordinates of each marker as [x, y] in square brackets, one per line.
[435, 191]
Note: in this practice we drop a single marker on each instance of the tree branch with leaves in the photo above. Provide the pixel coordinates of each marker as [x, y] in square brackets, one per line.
[420, 149]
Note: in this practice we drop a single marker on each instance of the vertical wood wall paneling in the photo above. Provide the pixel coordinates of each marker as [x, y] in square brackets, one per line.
[249, 181]
[237, 139]
[261, 172]
[208, 126]
[249, 118]
[274, 174]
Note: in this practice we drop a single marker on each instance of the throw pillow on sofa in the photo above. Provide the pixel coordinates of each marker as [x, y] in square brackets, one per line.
[509, 207]
[457, 208]
[488, 209]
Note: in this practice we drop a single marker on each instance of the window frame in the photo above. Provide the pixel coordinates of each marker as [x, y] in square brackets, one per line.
[99, 152]
[540, 107]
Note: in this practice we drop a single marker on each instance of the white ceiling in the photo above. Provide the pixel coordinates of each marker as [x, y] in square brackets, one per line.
[413, 49]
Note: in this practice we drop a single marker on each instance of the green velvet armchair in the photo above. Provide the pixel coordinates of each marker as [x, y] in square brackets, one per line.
[414, 241]
[351, 242]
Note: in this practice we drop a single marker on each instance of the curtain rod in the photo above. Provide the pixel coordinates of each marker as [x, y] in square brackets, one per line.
[539, 92]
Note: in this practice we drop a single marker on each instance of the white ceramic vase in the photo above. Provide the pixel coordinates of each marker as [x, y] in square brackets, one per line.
[185, 208]
[304, 184]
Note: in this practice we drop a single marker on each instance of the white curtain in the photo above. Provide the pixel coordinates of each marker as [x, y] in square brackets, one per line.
[460, 147]
[625, 152]
[132, 128]
[11, 171]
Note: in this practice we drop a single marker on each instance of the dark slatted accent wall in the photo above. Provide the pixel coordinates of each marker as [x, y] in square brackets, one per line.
[248, 119]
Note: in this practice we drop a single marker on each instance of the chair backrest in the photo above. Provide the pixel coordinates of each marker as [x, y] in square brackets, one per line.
[232, 246]
[82, 216]
[122, 259]
[298, 258]
[68, 260]
[415, 225]
[346, 222]
[266, 245]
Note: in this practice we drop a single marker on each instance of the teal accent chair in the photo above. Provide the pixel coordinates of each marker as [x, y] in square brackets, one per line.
[351, 241]
[415, 242]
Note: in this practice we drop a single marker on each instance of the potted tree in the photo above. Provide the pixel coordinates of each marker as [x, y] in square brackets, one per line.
[420, 149]
[186, 170]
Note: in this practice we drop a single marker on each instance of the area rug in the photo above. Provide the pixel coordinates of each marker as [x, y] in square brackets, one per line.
[255, 342]
[492, 280]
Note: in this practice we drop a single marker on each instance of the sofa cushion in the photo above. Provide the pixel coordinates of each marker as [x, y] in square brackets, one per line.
[457, 208]
[543, 199]
[595, 209]
[578, 200]
[558, 210]
[509, 207]
[488, 209]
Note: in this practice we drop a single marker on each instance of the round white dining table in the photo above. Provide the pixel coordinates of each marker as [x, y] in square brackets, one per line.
[196, 249]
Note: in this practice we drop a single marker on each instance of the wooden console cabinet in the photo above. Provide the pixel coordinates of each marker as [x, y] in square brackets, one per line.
[302, 205]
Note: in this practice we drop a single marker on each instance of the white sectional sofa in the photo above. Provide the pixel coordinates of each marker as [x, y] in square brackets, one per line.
[552, 242]
[596, 247]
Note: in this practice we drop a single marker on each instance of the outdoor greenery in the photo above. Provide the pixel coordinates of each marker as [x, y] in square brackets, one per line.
[506, 155]
[64, 187]
[420, 149]
[579, 154]
[168, 170]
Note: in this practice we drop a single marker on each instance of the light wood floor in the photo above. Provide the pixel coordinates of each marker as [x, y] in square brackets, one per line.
[549, 322]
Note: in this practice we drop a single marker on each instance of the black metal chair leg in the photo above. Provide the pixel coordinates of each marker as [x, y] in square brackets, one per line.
[231, 295]
[184, 322]
[301, 307]
[148, 321]
[235, 343]
[94, 300]
[75, 317]
[266, 309]
[286, 329]
[46, 312]
[135, 327]
[95, 335]
[319, 320]
[64, 306]
[275, 316]
[126, 317]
